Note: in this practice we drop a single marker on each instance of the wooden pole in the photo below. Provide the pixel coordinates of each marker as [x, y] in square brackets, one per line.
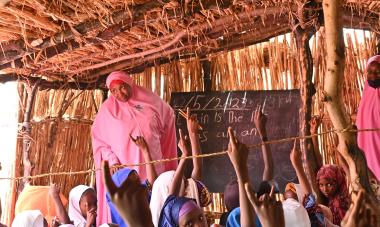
[333, 96]
[307, 91]
[31, 91]
[206, 66]
[303, 32]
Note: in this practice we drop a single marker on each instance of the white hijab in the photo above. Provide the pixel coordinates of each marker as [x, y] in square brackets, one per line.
[295, 214]
[29, 218]
[75, 214]
[160, 193]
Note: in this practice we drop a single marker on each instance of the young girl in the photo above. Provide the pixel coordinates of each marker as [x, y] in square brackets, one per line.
[82, 206]
[331, 181]
[177, 210]
[121, 175]
[190, 188]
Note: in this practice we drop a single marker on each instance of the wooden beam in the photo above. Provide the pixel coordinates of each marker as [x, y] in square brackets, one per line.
[44, 84]
[237, 41]
[225, 21]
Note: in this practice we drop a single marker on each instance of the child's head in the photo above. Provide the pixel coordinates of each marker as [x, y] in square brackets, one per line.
[81, 200]
[231, 195]
[29, 218]
[331, 179]
[191, 214]
[183, 212]
[88, 201]
[291, 192]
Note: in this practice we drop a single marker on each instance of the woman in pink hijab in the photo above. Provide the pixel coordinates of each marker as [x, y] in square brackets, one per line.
[369, 116]
[131, 110]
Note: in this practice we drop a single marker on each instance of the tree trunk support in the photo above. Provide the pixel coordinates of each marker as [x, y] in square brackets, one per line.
[333, 96]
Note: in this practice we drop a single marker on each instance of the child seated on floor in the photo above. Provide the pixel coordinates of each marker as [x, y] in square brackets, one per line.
[122, 175]
[192, 187]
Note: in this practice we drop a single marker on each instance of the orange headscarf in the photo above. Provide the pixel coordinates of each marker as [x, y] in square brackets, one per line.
[38, 198]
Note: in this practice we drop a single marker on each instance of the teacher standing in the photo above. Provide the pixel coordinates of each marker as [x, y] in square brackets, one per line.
[131, 110]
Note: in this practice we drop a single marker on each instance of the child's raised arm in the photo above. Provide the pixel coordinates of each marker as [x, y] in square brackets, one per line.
[260, 123]
[60, 209]
[193, 127]
[175, 186]
[150, 169]
[238, 154]
[295, 158]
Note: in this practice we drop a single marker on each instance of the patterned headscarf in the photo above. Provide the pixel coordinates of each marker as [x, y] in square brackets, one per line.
[340, 202]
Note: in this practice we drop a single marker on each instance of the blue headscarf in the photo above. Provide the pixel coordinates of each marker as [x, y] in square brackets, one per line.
[233, 219]
[169, 216]
[119, 177]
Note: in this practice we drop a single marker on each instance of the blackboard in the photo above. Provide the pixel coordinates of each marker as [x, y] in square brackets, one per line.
[216, 111]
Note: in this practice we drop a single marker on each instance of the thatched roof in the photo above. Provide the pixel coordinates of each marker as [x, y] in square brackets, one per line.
[83, 40]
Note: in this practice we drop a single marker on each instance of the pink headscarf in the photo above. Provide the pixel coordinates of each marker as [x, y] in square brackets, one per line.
[144, 114]
[119, 75]
[375, 58]
[369, 117]
[188, 207]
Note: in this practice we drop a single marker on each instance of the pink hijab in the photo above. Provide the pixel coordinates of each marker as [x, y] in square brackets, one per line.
[369, 117]
[144, 114]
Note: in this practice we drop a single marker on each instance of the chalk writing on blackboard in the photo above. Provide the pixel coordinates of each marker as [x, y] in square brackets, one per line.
[216, 111]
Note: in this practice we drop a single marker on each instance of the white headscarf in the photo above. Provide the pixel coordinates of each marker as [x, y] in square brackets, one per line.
[29, 218]
[75, 214]
[160, 193]
[295, 214]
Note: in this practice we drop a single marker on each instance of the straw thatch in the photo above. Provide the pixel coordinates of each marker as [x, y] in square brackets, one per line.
[85, 40]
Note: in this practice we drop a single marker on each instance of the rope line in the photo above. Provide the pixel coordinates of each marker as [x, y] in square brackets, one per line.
[188, 157]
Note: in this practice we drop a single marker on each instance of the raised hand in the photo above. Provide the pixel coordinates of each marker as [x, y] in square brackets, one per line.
[237, 152]
[360, 213]
[192, 123]
[268, 210]
[54, 191]
[140, 143]
[183, 144]
[130, 199]
[295, 155]
[260, 121]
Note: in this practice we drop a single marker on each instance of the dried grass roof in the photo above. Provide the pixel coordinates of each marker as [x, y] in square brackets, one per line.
[83, 40]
